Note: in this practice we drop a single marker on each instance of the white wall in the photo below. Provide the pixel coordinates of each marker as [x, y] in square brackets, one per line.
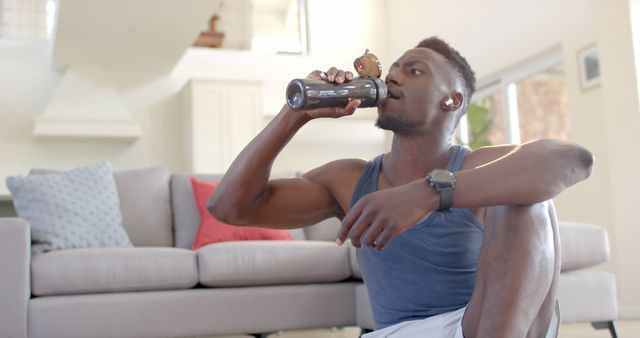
[339, 32]
[27, 82]
[622, 124]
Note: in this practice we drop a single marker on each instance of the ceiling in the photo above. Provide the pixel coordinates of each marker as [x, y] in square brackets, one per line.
[124, 35]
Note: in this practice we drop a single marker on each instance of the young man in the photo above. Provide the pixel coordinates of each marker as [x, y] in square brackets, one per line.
[453, 243]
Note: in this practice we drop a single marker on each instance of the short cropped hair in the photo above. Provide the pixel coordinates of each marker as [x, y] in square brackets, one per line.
[459, 64]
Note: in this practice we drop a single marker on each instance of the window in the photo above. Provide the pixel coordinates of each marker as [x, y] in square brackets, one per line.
[279, 26]
[27, 19]
[262, 26]
[519, 105]
[542, 105]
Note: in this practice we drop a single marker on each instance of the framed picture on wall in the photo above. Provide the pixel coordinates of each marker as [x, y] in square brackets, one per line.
[589, 67]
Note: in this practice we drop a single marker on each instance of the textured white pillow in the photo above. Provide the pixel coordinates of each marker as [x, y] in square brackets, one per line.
[73, 209]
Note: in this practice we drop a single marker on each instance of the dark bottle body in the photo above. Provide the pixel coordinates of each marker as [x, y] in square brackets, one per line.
[305, 94]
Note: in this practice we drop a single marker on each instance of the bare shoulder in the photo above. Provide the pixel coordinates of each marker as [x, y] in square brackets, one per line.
[339, 178]
[484, 155]
[336, 171]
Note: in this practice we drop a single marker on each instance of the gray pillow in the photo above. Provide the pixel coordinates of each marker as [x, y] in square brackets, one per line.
[73, 209]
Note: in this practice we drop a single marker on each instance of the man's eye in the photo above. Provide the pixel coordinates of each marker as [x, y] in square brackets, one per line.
[415, 71]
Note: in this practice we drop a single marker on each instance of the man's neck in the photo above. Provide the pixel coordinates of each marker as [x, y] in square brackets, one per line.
[411, 158]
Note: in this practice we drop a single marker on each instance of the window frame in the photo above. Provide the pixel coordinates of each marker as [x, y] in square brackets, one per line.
[505, 82]
[31, 18]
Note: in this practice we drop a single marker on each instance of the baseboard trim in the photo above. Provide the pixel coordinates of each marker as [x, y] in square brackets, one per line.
[629, 312]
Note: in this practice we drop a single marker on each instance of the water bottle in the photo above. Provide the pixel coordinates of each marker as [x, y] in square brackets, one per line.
[305, 94]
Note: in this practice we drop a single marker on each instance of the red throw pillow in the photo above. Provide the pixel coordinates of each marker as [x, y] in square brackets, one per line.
[211, 230]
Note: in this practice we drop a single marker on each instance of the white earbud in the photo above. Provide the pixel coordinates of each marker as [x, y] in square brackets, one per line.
[448, 102]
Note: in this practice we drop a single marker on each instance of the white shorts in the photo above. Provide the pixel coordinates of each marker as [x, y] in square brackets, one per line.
[444, 325]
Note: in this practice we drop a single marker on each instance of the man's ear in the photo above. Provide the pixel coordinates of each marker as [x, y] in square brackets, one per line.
[453, 102]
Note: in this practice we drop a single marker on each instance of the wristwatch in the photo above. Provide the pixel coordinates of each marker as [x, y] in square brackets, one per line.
[443, 181]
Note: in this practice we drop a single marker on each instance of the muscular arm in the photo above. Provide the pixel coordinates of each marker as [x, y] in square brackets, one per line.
[245, 196]
[507, 175]
[244, 188]
[520, 175]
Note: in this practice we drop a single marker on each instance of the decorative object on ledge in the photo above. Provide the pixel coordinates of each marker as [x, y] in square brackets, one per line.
[589, 67]
[86, 105]
[211, 38]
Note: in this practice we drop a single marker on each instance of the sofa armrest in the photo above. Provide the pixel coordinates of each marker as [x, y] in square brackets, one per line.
[15, 283]
[583, 245]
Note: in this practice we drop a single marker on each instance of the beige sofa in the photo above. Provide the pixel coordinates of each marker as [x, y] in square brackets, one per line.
[161, 288]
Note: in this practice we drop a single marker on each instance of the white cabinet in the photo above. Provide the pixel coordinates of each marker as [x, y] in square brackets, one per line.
[221, 117]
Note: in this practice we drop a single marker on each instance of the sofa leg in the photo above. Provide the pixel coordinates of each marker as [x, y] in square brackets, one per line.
[364, 331]
[261, 335]
[606, 325]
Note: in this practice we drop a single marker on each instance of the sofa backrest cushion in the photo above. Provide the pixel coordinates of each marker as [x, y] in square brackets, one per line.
[211, 230]
[583, 245]
[326, 230]
[70, 209]
[145, 203]
[186, 217]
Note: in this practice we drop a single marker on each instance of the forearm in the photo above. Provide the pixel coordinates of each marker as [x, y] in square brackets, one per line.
[530, 173]
[239, 192]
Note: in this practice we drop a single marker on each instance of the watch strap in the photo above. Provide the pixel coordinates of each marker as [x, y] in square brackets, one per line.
[446, 198]
[442, 181]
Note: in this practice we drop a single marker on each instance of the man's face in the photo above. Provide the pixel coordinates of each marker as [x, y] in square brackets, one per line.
[418, 82]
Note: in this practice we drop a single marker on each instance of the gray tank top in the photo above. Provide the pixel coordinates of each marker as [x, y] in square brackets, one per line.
[427, 270]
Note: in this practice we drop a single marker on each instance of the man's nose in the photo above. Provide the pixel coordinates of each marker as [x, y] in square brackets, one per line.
[392, 76]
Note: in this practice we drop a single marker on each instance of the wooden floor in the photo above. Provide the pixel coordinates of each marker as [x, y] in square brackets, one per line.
[626, 329]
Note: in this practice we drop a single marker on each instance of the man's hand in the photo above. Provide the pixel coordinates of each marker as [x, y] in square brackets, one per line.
[380, 216]
[333, 75]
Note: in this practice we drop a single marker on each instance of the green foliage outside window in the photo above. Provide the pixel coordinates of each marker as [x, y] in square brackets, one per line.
[479, 121]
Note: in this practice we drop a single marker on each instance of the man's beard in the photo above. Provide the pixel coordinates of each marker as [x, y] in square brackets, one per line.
[399, 125]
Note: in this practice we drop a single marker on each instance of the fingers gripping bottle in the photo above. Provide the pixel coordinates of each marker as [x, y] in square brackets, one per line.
[306, 94]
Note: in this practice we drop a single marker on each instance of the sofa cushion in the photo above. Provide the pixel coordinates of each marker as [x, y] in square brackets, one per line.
[198, 312]
[145, 203]
[248, 263]
[142, 189]
[186, 217]
[587, 296]
[101, 270]
[583, 245]
[212, 231]
[78, 208]
[353, 261]
[326, 230]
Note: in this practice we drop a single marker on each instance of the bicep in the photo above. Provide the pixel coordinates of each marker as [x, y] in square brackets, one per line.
[293, 203]
[317, 195]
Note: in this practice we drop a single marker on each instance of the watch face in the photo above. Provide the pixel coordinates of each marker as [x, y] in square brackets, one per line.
[441, 176]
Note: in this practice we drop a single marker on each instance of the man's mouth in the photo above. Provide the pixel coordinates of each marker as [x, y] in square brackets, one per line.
[393, 94]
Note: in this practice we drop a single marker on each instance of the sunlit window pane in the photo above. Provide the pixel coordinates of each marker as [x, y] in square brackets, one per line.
[486, 124]
[26, 19]
[497, 132]
[542, 106]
